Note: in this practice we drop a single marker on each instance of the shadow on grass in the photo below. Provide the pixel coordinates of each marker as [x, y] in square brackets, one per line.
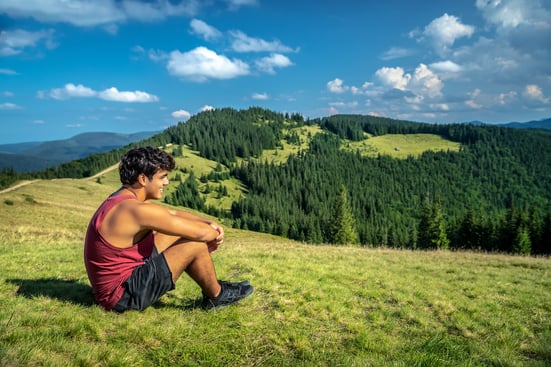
[169, 300]
[67, 290]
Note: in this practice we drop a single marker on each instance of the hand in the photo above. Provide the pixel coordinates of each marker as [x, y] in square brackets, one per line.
[213, 245]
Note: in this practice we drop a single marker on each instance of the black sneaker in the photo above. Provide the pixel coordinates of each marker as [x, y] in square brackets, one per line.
[242, 283]
[230, 293]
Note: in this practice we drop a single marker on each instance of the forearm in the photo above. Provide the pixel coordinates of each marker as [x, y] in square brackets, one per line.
[190, 216]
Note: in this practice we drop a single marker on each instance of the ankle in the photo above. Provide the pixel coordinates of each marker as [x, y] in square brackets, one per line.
[217, 291]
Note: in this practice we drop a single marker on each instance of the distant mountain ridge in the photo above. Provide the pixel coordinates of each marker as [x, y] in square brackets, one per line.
[36, 156]
[540, 124]
[544, 124]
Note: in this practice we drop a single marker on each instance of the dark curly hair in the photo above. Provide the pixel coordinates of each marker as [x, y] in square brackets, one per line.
[146, 160]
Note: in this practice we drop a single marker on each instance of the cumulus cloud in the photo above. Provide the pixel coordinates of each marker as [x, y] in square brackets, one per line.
[71, 90]
[14, 42]
[506, 13]
[100, 12]
[201, 64]
[426, 83]
[260, 96]
[393, 77]
[534, 93]
[336, 86]
[205, 31]
[181, 114]
[446, 66]
[269, 63]
[243, 43]
[113, 94]
[442, 32]
[499, 68]
[207, 108]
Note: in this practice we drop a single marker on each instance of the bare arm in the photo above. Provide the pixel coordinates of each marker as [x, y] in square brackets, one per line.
[175, 223]
[194, 217]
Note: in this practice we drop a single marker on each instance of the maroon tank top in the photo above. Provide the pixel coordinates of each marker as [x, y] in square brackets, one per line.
[109, 266]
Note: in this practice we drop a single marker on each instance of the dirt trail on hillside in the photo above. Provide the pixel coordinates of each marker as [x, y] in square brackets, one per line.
[25, 183]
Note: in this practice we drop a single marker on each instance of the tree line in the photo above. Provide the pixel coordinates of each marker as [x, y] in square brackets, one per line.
[494, 194]
[495, 188]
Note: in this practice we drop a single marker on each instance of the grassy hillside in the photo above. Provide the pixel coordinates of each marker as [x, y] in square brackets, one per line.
[313, 305]
[394, 145]
[402, 146]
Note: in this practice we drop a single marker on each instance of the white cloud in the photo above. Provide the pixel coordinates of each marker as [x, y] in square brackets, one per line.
[471, 102]
[205, 31]
[446, 66]
[76, 12]
[396, 53]
[15, 41]
[534, 92]
[442, 32]
[235, 4]
[243, 43]
[181, 114]
[260, 96]
[267, 64]
[206, 108]
[507, 98]
[507, 13]
[333, 111]
[9, 106]
[71, 90]
[99, 12]
[8, 72]
[344, 104]
[424, 82]
[113, 94]
[440, 106]
[201, 64]
[157, 55]
[393, 77]
[336, 86]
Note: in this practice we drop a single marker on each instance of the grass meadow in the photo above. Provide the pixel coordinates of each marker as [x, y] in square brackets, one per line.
[313, 305]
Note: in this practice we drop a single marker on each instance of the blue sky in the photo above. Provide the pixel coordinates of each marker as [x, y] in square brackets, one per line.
[74, 66]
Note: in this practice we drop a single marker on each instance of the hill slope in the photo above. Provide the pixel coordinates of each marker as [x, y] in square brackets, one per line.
[457, 186]
[313, 305]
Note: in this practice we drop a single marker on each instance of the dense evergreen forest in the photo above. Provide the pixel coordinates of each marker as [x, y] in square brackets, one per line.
[494, 194]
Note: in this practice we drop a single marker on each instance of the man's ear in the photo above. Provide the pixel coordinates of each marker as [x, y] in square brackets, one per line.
[142, 179]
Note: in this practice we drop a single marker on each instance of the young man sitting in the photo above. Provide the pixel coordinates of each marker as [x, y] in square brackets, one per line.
[135, 250]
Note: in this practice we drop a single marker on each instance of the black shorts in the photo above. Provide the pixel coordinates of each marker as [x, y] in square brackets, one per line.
[147, 284]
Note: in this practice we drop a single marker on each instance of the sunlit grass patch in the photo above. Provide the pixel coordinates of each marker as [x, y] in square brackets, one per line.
[401, 145]
[312, 306]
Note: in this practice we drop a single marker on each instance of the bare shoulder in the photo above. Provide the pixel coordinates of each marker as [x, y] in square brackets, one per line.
[146, 209]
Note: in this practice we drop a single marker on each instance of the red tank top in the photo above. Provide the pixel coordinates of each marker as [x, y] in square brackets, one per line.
[109, 266]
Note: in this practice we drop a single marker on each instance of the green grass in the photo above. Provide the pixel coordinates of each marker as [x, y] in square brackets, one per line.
[313, 305]
[402, 145]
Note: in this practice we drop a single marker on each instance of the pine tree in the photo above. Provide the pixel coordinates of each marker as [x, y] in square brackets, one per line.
[342, 228]
[432, 227]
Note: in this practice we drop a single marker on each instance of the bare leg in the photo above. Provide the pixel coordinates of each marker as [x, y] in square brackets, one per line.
[191, 257]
